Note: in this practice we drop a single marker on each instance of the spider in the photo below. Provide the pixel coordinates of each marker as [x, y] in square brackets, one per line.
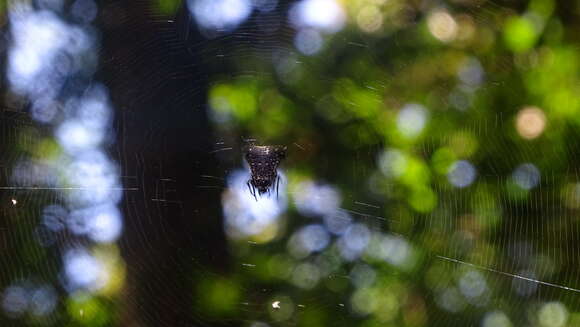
[263, 161]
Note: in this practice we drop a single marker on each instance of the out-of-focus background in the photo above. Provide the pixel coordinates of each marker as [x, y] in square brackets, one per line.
[431, 176]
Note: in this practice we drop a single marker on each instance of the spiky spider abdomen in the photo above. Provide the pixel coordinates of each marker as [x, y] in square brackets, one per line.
[264, 161]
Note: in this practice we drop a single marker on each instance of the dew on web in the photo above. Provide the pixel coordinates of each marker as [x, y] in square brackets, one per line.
[429, 177]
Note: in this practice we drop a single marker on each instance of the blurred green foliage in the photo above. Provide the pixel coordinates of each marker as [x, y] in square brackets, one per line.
[472, 68]
[168, 7]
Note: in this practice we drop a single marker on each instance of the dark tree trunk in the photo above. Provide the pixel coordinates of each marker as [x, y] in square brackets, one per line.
[173, 229]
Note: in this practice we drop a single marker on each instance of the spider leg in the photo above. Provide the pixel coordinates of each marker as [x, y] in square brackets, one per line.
[277, 185]
[251, 189]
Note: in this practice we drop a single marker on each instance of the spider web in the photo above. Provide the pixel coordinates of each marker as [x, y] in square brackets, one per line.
[477, 257]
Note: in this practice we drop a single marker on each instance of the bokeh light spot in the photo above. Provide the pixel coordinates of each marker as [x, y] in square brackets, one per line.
[15, 300]
[308, 41]
[442, 26]
[472, 284]
[393, 162]
[451, 300]
[412, 119]
[325, 15]
[220, 15]
[246, 216]
[83, 270]
[369, 19]
[337, 222]
[496, 319]
[354, 241]
[309, 239]
[316, 199]
[526, 176]
[306, 275]
[553, 314]
[519, 34]
[530, 122]
[461, 173]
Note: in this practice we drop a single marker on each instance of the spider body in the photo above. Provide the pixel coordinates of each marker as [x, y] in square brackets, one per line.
[264, 161]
